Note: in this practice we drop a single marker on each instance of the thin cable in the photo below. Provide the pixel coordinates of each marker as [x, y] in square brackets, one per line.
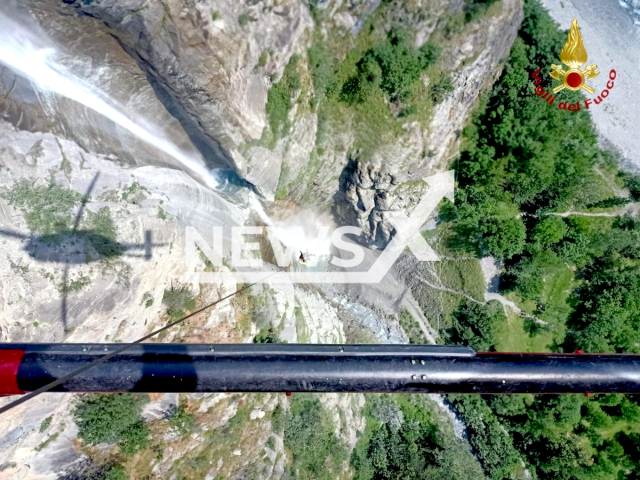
[118, 351]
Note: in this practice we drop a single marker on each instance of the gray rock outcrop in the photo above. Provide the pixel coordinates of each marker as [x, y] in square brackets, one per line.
[213, 63]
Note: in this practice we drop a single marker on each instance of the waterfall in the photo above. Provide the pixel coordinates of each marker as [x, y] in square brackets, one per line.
[30, 54]
[34, 57]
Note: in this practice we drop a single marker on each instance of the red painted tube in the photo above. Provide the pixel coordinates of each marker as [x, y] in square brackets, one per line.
[9, 364]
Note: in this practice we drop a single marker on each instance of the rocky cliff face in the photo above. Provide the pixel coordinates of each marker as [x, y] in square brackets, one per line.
[387, 180]
[215, 62]
[94, 278]
[88, 249]
[96, 58]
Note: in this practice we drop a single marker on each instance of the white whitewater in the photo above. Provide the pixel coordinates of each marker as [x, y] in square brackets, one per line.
[33, 56]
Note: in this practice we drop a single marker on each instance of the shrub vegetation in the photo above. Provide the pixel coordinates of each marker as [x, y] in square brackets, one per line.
[279, 99]
[392, 66]
[113, 419]
[182, 422]
[309, 434]
[178, 301]
[48, 209]
[402, 439]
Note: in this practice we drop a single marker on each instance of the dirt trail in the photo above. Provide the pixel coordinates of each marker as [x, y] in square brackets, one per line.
[629, 209]
[444, 288]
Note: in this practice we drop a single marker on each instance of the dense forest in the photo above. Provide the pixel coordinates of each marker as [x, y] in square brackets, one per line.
[524, 162]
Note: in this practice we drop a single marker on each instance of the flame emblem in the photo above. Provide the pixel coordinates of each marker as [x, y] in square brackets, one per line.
[574, 55]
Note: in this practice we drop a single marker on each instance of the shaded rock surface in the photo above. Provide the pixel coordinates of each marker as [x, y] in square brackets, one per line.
[163, 204]
[212, 64]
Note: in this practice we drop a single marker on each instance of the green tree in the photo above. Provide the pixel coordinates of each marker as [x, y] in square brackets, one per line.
[503, 237]
[321, 65]
[529, 275]
[116, 472]
[442, 89]
[475, 324]
[402, 440]
[113, 419]
[607, 318]
[492, 443]
[178, 301]
[509, 405]
[279, 98]
[632, 182]
[393, 66]
[359, 88]
[550, 230]
[309, 434]
[134, 438]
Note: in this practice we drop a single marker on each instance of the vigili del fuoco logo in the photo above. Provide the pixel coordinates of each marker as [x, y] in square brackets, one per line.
[574, 56]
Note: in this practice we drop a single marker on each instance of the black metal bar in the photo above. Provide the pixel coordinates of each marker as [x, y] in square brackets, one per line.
[322, 368]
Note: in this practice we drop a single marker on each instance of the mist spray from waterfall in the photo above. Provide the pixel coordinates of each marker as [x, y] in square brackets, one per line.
[33, 57]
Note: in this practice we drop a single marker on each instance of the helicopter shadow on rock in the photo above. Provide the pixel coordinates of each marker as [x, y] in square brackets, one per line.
[79, 246]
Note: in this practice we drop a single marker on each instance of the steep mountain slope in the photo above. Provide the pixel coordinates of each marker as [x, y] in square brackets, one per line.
[219, 62]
